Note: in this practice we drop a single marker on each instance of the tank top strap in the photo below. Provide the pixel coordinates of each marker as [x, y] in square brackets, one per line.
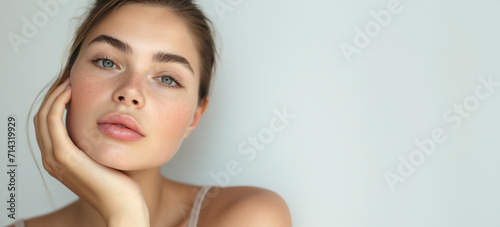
[198, 202]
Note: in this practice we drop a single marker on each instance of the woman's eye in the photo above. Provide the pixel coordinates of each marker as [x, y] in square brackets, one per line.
[167, 80]
[106, 63]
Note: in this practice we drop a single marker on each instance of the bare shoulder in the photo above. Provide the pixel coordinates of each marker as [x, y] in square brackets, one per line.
[244, 206]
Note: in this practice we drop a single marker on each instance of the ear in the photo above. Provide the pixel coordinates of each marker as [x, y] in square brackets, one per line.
[200, 110]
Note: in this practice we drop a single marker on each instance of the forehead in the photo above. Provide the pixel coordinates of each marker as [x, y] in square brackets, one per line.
[148, 29]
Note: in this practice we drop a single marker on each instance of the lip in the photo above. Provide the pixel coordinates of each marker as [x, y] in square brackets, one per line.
[110, 125]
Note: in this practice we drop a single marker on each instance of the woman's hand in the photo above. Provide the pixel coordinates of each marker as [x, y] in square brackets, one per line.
[113, 194]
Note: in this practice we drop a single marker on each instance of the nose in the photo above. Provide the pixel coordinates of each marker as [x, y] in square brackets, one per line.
[129, 93]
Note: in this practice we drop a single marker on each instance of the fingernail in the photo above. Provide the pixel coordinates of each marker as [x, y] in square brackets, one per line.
[68, 87]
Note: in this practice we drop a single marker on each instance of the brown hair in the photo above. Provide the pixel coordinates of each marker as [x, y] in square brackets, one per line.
[197, 23]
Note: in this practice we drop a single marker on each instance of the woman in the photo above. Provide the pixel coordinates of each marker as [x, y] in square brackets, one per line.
[135, 86]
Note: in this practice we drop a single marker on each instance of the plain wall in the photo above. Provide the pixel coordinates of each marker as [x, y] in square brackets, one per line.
[392, 121]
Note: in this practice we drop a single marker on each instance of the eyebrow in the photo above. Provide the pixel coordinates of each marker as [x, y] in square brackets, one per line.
[123, 47]
[159, 56]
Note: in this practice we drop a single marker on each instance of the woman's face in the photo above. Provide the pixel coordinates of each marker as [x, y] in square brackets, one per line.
[135, 88]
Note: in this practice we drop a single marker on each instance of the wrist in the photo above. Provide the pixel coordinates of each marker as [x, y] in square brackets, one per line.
[130, 217]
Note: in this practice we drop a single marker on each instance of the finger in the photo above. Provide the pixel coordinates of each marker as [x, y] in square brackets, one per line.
[39, 140]
[43, 131]
[64, 148]
[50, 99]
[40, 143]
[43, 135]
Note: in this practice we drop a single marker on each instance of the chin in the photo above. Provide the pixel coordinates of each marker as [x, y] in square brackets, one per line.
[124, 156]
[114, 155]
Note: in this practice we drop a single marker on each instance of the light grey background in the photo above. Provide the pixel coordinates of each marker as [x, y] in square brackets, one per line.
[355, 121]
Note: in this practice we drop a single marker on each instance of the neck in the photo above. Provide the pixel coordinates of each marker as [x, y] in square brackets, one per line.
[151, 183]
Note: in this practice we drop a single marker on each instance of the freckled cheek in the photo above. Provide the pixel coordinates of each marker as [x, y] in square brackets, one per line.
[81, 107]
[85, 90]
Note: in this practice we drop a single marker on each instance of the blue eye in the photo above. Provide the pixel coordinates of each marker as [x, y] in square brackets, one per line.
[106, 63]
[167, 80]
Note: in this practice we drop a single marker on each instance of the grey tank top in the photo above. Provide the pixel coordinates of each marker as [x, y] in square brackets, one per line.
[193, 217]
